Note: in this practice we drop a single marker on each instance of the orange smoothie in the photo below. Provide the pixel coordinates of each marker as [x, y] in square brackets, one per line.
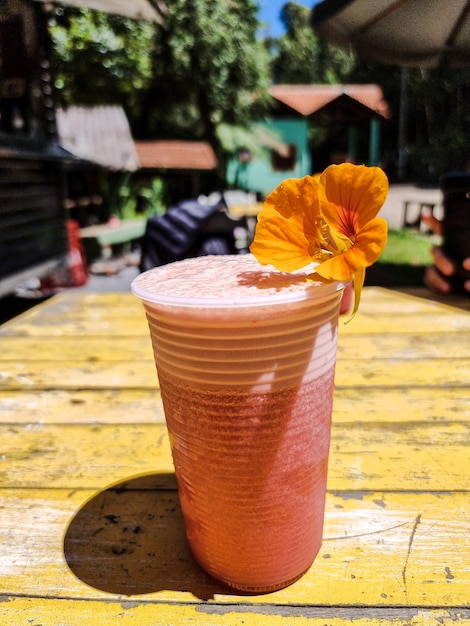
[245, 357]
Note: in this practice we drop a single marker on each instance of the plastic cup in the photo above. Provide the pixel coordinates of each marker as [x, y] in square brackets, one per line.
[246, 357]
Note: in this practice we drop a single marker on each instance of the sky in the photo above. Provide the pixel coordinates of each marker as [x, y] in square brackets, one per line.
[269, 14]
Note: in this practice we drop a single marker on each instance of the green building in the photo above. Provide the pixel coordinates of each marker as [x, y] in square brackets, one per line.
[311, 127]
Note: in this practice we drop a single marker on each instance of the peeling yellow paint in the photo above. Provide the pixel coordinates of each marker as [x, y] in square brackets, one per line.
[70, 613]
[91, 531]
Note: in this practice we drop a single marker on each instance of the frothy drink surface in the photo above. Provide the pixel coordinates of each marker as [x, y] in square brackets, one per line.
[234, 276]
[246, 378]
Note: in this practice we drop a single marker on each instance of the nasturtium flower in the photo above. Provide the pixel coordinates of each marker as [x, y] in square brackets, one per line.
[328, 219]
[289, 227]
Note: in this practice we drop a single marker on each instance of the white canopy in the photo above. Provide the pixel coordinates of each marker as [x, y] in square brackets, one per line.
[419, 33]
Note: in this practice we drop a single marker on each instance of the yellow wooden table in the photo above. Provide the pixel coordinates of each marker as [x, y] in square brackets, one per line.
[90, 525]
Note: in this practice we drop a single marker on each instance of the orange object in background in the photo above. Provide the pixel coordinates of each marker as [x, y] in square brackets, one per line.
[76, 256]
[347, 299]
[73, 271]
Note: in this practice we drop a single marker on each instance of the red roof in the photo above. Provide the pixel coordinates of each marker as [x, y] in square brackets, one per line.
[308, 99]
[176, 155]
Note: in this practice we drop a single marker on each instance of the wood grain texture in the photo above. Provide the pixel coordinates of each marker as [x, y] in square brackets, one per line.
[146, 613]
[367, 456]
[91, 530]
[379, 549]
[131, 406]
[387, 372]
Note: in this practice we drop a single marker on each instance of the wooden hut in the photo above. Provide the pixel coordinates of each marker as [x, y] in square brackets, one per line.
[33, 234]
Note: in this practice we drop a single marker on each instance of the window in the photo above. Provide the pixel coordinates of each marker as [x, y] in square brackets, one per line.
[285, 161]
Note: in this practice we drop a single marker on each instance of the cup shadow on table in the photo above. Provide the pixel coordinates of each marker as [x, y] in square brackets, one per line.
[130, 539]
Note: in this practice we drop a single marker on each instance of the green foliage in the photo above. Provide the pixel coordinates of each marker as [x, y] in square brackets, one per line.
[129, 197]
[405, 247]
[434, 107]
[151, 198]
[203, 67]
[301, 57]
[101, 59]
[204, 74]
[439, 121]
[209, 68]
[254, 138]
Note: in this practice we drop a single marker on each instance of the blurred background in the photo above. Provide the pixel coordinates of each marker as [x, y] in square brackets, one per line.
[114, 114]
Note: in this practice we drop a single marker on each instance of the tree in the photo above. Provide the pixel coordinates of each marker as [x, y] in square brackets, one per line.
[435, 121]
[208, 69]
[202, 67]
[439, 121]
[101, 59]
[301, 57]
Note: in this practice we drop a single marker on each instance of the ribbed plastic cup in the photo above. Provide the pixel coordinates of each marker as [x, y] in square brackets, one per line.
[246, 358]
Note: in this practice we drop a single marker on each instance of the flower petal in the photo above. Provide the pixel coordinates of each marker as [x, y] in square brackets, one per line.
[369, 243]
[288, 231]
[359, 277]
[351, 195]
[330, 219]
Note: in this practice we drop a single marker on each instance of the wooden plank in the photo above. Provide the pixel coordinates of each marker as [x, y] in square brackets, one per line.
[367, 456]
[456, 300]
[400, 456]
[394, 372]
[379, 550]
[435, 345]
[136, 347]
[387, 372]
[377, 297]
[98, 326]
[374, 301]
[82, 348]
[400, 405]
[373, 322]
[130, 406]
[123, 314]
[24, 610]
[404, 297]
[83, 406]
[132, 323]
[79, 456]
[80, 313]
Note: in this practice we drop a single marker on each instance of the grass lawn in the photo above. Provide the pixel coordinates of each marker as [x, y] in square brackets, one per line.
[403, 260]
[407, 247]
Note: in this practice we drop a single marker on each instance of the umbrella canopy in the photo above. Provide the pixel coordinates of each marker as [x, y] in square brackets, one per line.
[414, 33]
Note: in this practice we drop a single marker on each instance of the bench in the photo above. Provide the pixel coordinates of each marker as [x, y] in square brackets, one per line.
[100, 237]
[414, 210]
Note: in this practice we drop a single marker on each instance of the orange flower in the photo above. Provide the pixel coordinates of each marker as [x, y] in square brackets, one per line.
[350, 198]
[289, 228]
[329, 219]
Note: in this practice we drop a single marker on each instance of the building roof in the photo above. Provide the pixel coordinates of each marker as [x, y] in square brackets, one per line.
[99, 134]
[176, 155]
[308, 99]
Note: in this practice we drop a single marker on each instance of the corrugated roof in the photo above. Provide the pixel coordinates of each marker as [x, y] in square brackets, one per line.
[176, 155]
[308, 99]
[98, 134]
